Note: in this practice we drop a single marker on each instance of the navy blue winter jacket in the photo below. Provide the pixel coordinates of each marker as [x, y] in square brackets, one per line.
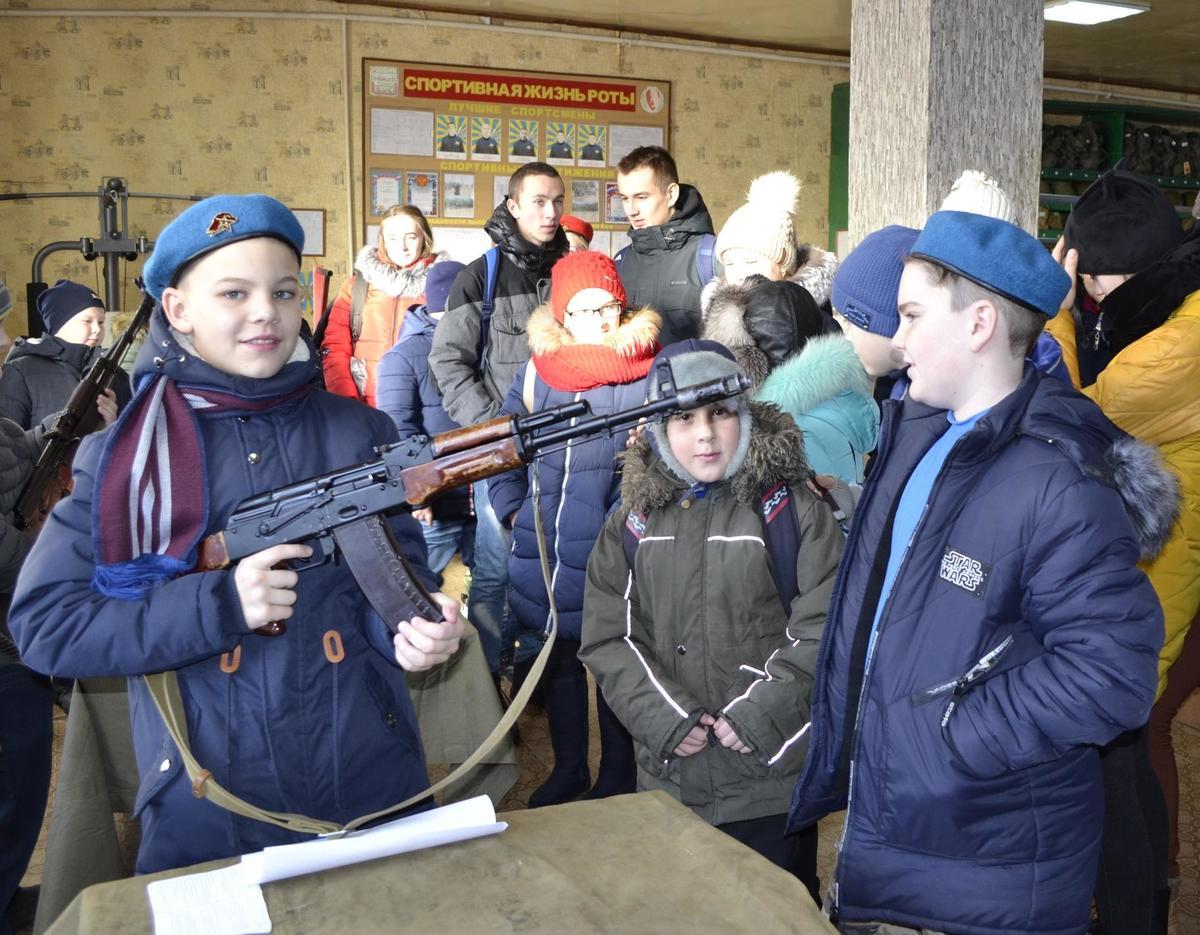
[579, 485]
[405, 390]
[974, 792]
[292, 729]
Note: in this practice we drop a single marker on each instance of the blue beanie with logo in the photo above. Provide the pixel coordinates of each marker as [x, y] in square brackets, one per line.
[214, 223]
[867, 282]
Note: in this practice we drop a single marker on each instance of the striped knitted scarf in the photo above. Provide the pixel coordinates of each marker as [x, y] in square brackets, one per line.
[150, 507]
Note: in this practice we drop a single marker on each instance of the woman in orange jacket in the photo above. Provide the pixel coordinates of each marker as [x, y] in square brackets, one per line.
[394, 272]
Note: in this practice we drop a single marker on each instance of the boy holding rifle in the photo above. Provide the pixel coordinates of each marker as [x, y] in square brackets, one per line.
[317, 722]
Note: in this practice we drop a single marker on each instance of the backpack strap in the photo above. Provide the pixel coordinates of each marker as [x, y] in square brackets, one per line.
[358, 300]
[631, 535]
[705, 259]
[529, 385]
[620, 258]
[488, 302]
[782, 534]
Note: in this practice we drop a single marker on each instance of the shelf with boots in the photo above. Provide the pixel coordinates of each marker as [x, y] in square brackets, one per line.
[1159, 143]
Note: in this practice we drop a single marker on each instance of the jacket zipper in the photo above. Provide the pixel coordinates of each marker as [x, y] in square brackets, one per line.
[835, 911]
[562, 499]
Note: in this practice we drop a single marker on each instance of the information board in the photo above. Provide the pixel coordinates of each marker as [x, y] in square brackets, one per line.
[447, 138]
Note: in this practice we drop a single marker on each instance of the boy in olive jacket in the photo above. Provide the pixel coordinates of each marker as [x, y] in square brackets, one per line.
[695, 647]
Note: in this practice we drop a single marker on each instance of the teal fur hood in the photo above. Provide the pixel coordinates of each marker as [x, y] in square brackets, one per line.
[825, 389]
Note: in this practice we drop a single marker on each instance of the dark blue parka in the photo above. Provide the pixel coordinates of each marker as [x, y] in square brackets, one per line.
[974, 792]
[405, 390]
[579, 485]
[290, 729]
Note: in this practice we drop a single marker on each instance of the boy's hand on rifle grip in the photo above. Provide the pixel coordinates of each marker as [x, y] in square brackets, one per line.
[106, 405]
[268, 593]
[422, 644]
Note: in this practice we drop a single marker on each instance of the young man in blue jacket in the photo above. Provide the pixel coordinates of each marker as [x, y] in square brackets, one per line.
[989, 627]
[316, 721]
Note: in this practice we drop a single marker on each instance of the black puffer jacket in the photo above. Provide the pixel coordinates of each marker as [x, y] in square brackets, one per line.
[472, 390]
[40, 375]
[659, 270]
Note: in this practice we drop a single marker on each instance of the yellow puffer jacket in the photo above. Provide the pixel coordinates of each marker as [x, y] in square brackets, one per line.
[1151, 389]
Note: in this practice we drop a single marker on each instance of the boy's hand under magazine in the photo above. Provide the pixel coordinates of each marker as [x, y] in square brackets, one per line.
[106, 405]
[422, 644]
[728, 736]
[697, 738]
[267, 593]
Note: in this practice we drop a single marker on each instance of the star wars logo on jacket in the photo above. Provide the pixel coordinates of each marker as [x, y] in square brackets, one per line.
[965, 572]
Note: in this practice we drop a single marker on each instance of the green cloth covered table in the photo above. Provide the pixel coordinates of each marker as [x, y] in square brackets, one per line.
[634, 863]
[456, 705]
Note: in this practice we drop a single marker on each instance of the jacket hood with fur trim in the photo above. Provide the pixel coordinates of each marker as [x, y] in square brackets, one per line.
[390, 279]
[636, 334]
[776, 454]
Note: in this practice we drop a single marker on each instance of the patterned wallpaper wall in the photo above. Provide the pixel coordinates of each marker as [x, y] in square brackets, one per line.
[183, 99]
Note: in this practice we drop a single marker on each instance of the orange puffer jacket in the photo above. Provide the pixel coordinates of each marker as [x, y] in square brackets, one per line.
[391, 292]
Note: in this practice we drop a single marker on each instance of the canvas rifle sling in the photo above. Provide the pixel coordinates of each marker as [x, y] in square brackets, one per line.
[368, 541]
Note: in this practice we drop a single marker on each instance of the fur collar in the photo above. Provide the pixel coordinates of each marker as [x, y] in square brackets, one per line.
[637, 333]
[390, 279]
[826, 366]
[776, 453]
[1149, 489]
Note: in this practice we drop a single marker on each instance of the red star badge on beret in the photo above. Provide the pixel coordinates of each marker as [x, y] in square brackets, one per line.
[221, 222]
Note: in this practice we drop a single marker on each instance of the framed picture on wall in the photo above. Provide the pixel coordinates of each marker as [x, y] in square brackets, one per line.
[313, 222]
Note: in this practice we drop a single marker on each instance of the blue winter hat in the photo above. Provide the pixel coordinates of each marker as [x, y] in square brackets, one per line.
[996, 255]
[63, 301]
[438, 281]
[867, 282]
[214, 223]
[692, 362]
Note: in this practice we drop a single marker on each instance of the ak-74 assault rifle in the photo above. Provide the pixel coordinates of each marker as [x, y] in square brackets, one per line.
[51, 478]
[343, 510]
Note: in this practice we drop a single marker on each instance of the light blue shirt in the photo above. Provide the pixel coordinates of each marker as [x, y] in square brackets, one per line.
[913, 501]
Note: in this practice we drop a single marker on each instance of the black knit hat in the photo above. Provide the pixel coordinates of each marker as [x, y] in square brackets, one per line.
[1123, 223]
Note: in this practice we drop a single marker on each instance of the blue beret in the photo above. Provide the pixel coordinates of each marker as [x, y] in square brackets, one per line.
[214, 223]
[996, 255]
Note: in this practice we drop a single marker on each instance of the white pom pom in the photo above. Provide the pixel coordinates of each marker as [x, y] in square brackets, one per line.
[777, 190]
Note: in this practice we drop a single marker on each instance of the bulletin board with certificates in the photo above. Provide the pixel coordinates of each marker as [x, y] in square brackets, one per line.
[446, 139]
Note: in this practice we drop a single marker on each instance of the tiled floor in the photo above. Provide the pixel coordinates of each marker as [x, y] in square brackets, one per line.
[537, 759]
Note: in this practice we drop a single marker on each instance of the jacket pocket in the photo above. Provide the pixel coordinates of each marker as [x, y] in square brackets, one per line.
[393, 716]
[163, 771]
[931, 804]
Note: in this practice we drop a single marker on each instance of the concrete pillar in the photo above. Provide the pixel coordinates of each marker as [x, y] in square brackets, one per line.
[936, 87]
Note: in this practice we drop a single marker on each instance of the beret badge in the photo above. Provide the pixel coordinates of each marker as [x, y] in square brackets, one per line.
[222, 221]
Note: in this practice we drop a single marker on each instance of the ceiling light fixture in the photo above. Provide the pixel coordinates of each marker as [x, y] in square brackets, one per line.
[1091, 12]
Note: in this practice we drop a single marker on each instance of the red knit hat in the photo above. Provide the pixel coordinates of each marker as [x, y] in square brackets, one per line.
[578, 271]
[574, 225]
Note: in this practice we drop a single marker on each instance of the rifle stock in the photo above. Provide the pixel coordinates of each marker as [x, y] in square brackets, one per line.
[51, 478]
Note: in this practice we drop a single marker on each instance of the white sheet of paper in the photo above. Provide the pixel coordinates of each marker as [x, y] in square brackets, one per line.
[623, 139]
[461, 821]
[401, 132]
[463, 244]
[220, 902]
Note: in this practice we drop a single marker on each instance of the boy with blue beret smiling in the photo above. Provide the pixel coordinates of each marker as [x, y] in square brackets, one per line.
[989, 626]
[317, 721]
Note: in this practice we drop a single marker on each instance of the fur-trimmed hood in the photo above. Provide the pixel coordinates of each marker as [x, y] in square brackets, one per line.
[390, 279]
[826, 366]
[776, 454]
[815, 274]
[1149, 489]
[636, 334]
[782, 317]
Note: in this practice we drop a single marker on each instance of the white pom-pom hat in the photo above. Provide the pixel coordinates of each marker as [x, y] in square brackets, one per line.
[979, 193]
[766, 222]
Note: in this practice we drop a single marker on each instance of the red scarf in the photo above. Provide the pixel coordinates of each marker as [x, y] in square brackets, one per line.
[577, 367]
